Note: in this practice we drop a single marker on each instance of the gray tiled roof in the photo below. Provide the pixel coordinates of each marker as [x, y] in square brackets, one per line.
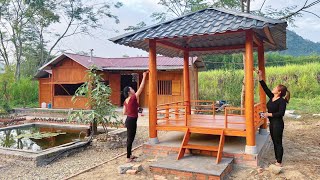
[206, 22]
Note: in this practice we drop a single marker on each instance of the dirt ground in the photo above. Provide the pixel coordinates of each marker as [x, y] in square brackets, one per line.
[301, 158]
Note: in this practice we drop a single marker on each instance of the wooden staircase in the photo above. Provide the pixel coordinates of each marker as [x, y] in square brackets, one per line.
[185, 143]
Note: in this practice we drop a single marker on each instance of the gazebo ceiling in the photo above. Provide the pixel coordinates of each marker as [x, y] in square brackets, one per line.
[208, 31]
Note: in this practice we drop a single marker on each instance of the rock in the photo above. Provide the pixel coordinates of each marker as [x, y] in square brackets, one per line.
[122, 169]
[317, 115]
[151, 160]
[137, 167]
[131, 171]
[158, 177]
[275, 169]
[260, 170]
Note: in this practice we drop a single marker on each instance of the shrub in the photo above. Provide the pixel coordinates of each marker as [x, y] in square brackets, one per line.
[303, 81]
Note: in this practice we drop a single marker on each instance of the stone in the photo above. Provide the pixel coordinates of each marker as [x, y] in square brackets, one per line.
[158, 177]
[132, 171]
[275, 169]
[260, 170]
[122, 169]
[151, 160]
[137, 167]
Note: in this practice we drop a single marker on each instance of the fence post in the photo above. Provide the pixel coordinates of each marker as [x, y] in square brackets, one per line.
[167, 112]
[226, 118]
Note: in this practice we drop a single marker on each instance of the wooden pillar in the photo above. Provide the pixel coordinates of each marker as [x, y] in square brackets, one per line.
[153, 82]
[186, 81]
[262, 94]
[249, 94]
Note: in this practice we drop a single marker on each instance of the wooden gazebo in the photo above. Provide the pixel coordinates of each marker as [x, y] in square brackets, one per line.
[208, 32]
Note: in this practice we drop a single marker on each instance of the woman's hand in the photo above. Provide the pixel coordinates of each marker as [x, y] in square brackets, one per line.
[145, 74]
[268, 114]
[259, 72]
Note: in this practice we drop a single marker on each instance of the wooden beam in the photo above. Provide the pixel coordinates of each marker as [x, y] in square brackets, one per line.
[186, 80]
[234, 47]
[269, 35]
[249, 90]
[64, 89]
[262, 94]
[153, 81]
[168, 44]
[52, 90]
[257, 40]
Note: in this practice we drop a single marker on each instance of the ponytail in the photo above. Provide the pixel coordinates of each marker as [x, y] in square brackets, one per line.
[287, 97]
[284, 92]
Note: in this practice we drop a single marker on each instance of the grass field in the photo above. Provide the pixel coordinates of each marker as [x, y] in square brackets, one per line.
[303, 82]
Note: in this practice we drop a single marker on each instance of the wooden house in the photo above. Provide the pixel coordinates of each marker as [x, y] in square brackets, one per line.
[60, 78]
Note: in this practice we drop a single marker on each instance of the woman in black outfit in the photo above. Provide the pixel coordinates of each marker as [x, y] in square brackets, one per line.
[279, 97]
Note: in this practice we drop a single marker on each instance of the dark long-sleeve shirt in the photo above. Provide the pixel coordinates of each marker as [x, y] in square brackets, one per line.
[277, 107]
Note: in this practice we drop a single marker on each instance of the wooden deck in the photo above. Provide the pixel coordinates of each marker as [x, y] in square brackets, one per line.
[172, 117]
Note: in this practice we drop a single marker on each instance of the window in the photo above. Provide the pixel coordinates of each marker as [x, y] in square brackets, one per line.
[65, 89]
[164, 87]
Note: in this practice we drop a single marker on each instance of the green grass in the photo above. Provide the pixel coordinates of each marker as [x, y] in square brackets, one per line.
[303, 81]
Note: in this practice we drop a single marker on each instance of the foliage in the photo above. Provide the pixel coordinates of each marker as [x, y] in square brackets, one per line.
[234, 61]
[26, 28]
[39, 135]
[302, 81]
[102, 110]
[6, 80]
[22, 93]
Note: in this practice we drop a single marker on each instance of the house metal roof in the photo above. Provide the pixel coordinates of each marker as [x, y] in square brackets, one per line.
[198, 25]
[117, 64]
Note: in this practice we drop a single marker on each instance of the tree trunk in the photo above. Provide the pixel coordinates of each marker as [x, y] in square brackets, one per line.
[94, 127]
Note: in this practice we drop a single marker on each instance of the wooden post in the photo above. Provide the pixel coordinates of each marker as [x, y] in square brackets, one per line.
[153, 82]
[186, 81]
[249, 95]
[262, 94]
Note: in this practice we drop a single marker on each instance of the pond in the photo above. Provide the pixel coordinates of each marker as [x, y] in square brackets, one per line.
[38, 137]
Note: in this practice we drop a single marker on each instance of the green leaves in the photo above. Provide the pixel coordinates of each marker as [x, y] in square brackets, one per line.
[39, 135]
[102, 111]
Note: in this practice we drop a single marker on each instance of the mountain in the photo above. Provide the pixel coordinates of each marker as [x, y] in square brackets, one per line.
[298, 46]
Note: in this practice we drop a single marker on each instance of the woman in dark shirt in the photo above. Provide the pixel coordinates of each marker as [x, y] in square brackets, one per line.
[278, 99]
[130, 108]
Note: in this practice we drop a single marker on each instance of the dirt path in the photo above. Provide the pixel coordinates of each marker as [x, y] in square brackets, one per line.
[301, 157]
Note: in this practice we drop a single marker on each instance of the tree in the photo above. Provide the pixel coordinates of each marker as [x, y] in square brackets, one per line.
[102, 110]
[27, 25]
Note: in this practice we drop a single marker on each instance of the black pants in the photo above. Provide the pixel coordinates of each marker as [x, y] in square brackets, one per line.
[276, 131]
[131, 124]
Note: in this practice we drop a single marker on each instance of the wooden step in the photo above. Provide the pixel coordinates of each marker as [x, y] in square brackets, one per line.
[201, 147]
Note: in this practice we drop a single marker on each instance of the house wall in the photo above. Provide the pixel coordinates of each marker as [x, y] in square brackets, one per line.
[70, 72]
[44, 90]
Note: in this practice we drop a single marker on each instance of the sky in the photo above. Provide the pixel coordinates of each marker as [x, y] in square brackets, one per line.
[135, 11]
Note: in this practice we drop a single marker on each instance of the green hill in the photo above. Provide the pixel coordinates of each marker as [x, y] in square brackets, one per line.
[298, 46]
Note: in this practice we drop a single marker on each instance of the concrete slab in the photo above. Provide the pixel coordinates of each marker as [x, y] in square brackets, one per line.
[234, 147]
[196, 164]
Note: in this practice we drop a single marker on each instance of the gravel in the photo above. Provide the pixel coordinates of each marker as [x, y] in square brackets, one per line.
[66, 166]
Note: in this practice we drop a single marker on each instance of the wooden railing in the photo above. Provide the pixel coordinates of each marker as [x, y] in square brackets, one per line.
[227, 114]
[175, 111]
[203, 107]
